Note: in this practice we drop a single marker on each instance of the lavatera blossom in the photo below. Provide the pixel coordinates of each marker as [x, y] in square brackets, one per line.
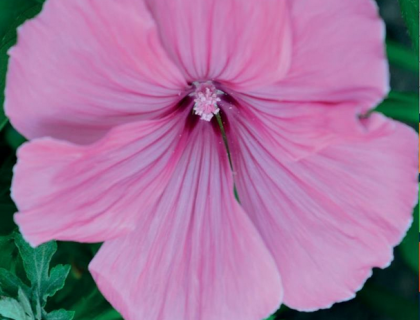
[121, 101]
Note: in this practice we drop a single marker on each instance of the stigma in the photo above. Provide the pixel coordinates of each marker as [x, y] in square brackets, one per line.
[206, 99]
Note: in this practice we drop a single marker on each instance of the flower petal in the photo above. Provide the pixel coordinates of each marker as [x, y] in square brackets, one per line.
[331, 216]
[338, 54]
[93, 193]
[298, 128]
[196, 255]
[83, 67]
[240, 43]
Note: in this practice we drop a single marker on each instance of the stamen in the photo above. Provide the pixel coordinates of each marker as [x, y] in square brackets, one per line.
[206, 99]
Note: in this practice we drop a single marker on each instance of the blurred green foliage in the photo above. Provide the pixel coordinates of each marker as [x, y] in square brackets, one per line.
[390, 295]
[410, 13]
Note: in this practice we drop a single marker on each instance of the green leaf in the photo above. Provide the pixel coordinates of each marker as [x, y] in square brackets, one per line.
[11, 284]
[26, 305]
[401, 106]
[19, 309]
[11, 308]
[36, 262]
[57, 280]
[38, 308]
[3, 121]
[402, 57]
[410, 13]
[110, 314]
[13, 138]
[44, 283]
[9, 10]
[60, 315]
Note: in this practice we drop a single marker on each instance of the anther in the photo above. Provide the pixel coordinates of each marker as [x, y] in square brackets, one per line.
[206, 99]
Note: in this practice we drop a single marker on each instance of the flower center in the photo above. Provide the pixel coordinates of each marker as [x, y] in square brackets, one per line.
[206, 97]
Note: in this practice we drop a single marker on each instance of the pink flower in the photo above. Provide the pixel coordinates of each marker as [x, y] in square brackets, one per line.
[120, 100]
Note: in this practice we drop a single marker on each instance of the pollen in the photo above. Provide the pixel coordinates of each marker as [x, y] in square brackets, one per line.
[206, 99]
